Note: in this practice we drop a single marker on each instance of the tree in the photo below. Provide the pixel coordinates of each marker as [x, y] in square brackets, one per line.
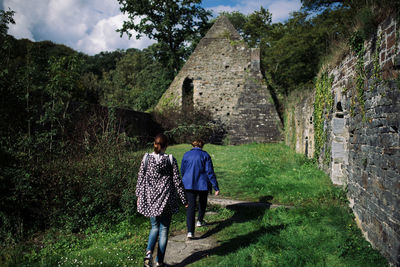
[379, 6]
[170, 22]
[253, 27]
[6, 17]
[293, 51]
[103, 62]
[257, 26]
[237, 19]
[64, 74]
[137, 82]
[321, 4]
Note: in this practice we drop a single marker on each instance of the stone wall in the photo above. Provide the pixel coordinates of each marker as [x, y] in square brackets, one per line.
[364, 140]
[299, 123]
[223, 78]
[366, 148]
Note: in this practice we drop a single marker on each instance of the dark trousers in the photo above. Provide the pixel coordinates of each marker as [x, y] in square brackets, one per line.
[191, 196]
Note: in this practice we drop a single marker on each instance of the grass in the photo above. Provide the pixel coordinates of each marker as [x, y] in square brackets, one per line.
[319, 230]
[264, 171]
[107, 245]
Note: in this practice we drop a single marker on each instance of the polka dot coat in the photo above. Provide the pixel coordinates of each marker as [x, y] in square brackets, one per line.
[159, 188]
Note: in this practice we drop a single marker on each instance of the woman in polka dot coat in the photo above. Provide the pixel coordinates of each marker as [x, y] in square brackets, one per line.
[157, 190]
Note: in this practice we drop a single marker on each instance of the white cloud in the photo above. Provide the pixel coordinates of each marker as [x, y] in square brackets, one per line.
[103, 37]
[280, 9]
[89, 25]
[22, 29]
[85, 25]
[25, 21]
[221, 8]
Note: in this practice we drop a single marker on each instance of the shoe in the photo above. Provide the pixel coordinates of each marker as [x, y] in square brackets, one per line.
[148, 260]
[200, 224]
[190, 235]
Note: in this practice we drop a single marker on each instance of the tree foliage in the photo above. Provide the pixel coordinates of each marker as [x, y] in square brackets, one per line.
[354, 5]
[291, 52]
[170, 22]
[294, 50]
[103, 62]
[137, 82]
[42, 177]
[254, 28]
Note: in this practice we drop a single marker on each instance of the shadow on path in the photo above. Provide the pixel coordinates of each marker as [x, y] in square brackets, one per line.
[242, 213]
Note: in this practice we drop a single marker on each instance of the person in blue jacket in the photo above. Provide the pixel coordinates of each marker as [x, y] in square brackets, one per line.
[198, 176]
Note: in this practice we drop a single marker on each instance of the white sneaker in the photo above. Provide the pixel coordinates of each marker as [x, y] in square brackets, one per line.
[148, 260]
[200, 224]
[190, 235]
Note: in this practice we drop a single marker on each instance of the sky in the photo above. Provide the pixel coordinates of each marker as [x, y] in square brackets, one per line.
[89, 26]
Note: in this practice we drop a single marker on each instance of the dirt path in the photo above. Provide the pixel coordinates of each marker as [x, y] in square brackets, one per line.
[182, 251]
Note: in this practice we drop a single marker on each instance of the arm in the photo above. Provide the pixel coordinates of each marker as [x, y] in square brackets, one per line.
[211, 174]
[178, 182]
[183, 166]
[140, 178]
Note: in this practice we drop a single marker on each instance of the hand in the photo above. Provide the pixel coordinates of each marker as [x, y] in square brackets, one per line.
[187, 205]
[216, 193]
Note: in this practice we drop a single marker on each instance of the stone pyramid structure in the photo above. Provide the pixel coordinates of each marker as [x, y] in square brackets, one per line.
[223, 78]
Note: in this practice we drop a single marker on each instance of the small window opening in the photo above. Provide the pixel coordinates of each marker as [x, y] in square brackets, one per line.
[339, 110]
[187, 94]
[339, 106]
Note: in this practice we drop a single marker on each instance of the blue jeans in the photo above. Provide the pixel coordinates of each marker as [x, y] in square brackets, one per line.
[159, 228]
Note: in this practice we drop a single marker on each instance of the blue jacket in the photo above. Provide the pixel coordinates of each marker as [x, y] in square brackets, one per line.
[197, 171]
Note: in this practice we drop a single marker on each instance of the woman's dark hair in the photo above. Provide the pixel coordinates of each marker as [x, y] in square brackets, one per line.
[160, 142]
[198, 143]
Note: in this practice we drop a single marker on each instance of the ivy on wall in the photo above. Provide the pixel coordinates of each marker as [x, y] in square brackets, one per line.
[290, 126]
[377, 71]
[356, 43]
[323, 104]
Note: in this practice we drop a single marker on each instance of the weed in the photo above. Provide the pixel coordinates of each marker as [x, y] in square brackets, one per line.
[318, 231]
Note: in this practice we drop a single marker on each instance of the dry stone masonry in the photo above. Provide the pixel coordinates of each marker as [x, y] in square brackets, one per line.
[223, 78]
[300, 121]
[364, 147]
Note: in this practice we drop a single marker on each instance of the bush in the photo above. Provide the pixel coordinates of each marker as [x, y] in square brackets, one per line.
[93, 185]
[67, 190]
[183, 126]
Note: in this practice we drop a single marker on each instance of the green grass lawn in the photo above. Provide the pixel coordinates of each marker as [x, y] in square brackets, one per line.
[318, 231]
[264, 171]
